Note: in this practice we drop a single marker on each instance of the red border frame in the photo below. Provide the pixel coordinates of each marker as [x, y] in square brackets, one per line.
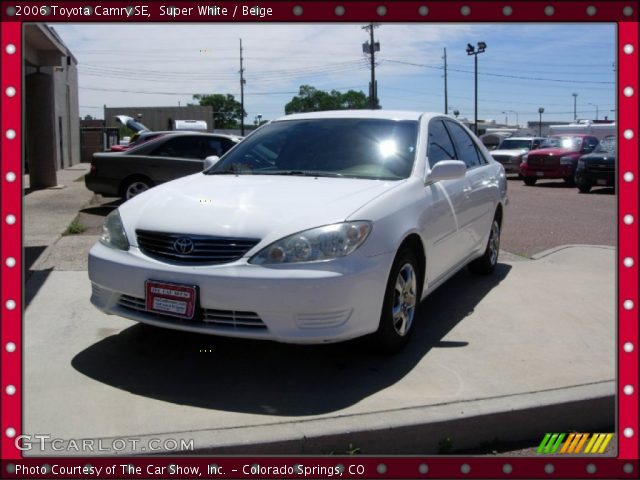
[314, 11]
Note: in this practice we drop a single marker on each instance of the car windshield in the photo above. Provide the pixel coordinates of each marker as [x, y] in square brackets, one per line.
[513, 143]
[570, 143]
[607, 145]
[337, 147]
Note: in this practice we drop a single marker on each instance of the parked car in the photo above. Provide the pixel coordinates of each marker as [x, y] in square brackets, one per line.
[318, 227]
[131, 172]
[599, 167]
[511, 150]
[557, 157]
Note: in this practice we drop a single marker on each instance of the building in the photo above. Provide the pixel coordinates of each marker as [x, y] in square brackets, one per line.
[51, 123]
[543, 128]
[160, 118]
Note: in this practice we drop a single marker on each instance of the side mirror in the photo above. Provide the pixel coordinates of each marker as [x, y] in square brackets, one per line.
[210, 161]
[447, 170]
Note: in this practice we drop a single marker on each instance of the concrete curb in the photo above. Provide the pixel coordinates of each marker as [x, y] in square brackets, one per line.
[546, 253]
[419, 430]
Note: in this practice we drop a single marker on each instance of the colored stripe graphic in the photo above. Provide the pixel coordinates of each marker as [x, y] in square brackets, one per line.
[584, 439]
[595, 443]
[551, 442]
[574, 444]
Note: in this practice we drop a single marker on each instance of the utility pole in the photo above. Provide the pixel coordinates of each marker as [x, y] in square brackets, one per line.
[242, 82]
[575, 103]
[370, 48]
[446, 106]
[471, 50]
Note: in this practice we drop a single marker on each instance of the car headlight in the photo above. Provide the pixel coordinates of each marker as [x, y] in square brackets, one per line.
[322, 243]
[525, 157]
[113, 234]
[566, 160]
[581, 164]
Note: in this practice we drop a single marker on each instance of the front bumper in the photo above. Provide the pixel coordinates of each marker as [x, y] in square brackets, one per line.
[305, 303]
[596, 178]
[547, 171]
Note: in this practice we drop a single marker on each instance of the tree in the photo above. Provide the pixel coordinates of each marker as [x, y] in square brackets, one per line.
[310, 99]
[226, 110]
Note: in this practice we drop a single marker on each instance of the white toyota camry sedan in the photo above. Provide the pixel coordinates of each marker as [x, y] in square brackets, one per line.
[318, 227]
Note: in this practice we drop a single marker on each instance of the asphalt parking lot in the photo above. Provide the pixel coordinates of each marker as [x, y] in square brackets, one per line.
[550, 214]
[108, 377]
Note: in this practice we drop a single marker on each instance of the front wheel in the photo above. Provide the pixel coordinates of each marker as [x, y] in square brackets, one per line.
[530, 181]
[486, 264]
[583, 186]
[400, 302]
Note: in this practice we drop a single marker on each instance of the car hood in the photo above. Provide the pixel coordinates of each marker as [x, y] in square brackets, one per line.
[511, 152]
[553, 151]
[248, 206]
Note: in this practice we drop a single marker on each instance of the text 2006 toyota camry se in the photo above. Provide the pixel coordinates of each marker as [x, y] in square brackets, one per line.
[316, 228]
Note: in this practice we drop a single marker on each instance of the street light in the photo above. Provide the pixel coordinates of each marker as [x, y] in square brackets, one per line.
[471, 50]
[596, 109]
[540, 111]
[575, 102]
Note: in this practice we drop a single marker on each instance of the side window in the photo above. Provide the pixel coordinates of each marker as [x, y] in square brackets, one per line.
[182, 147]
[465, 148]
[213, 146]
[590, 142]
[440, 145]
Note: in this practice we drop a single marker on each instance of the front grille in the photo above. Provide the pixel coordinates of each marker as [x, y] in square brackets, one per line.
[132, 303]
[601, 167]
[206, 250]
[231, 318]
[210, 317]
[542, 160]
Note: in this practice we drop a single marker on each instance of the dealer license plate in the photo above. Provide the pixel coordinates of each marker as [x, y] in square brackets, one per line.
[540, 174]
[170, 298]
[601, 181]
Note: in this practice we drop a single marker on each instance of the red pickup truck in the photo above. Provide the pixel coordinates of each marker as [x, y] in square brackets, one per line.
[557, 157]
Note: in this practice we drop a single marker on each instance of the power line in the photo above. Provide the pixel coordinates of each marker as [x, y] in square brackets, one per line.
[518, 77]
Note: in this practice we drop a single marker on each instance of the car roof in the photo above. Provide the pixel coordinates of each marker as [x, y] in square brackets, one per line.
[381, 114]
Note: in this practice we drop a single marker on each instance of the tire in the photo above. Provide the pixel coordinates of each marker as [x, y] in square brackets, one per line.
[401, 299]
[486, 264]
[583, 186]
[530, 181]
[135, 186]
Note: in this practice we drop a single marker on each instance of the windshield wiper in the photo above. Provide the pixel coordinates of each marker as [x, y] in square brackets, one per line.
[230, 171]
[301, 173]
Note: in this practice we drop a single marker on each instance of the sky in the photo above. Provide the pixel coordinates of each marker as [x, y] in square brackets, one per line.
[524, 67]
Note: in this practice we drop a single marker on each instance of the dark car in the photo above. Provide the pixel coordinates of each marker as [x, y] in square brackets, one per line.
[168, 157]
[557, 157]
[597, 168]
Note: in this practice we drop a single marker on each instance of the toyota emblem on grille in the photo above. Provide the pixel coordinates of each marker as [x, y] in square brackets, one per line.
[183, 245]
